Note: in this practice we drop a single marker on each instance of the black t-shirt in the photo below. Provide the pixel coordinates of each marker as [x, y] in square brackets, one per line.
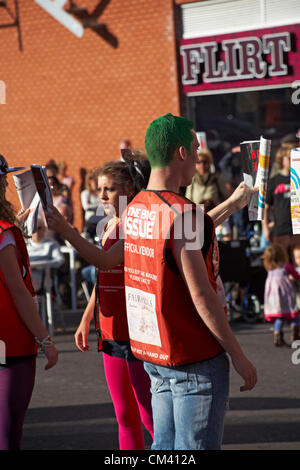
[279, 197]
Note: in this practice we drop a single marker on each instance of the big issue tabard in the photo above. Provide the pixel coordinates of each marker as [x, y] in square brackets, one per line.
[164, 325]
[19, 341]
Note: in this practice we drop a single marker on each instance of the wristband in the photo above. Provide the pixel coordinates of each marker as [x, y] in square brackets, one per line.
[47, 341]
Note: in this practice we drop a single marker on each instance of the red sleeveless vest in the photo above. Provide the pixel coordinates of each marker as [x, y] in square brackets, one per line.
[164, 325]
[112, 320]
[19, 341]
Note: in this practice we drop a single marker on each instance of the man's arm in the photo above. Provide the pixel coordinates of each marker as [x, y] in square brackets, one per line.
[208, 305]
[23, 300]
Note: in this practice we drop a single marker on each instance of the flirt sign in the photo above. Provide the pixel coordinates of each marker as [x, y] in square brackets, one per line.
[241, 60]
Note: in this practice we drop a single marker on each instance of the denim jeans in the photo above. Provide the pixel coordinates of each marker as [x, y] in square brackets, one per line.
[189, 404]
[279, 322]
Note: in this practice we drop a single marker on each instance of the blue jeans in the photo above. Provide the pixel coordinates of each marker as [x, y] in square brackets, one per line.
[189, 404]
[278, 323]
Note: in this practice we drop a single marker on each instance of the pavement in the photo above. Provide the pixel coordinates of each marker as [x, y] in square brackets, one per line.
[71, 407]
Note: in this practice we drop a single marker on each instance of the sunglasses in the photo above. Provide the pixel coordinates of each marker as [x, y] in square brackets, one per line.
[202, 162]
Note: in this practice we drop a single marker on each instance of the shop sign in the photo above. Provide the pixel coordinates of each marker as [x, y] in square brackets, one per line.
[240, 60]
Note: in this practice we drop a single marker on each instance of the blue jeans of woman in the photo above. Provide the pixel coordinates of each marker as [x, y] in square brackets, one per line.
[189, 404]
[278, 323]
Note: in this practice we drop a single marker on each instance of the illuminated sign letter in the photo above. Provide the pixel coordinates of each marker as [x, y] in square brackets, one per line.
[191, 57]
[277, 44]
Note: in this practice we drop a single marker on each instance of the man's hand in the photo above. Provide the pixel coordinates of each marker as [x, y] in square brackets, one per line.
[246, 370]
[241, 195]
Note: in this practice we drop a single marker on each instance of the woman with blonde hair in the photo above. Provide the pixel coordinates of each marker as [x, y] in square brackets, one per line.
[21, 329]
[207, 188]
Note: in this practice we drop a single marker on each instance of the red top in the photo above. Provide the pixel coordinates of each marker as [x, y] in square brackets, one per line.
[19, 341]
[112, 309]
[164, 325]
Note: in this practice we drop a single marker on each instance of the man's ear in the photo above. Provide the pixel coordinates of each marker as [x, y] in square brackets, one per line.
[182, 152]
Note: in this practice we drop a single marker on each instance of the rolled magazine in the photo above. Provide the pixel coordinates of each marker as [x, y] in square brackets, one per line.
[29, 199]
[250, 159]
[262, 175]
[42, 185]
[295, 188]
[34, 193]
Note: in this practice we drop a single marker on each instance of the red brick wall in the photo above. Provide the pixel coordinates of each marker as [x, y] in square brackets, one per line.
[74, 99]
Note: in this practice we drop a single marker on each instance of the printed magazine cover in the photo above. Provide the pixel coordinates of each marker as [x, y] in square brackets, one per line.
[42, 185]
[250, 158]
[29, 199]
[255, 163]
[34, 193]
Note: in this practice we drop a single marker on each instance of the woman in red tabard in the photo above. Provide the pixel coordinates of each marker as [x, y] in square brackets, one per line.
[21, 328]
[127, 380]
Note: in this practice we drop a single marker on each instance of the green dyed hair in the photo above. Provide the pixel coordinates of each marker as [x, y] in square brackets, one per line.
[164, 136]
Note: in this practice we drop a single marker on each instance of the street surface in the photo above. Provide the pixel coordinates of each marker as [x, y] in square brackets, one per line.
[71, 407]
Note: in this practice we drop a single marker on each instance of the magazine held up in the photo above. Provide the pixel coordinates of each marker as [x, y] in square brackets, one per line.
[34, 193]
[255, 155]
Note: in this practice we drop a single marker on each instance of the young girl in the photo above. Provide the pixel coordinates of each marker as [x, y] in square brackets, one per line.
[127, 380]
[296, 260]
[21, 328]
[280, 297]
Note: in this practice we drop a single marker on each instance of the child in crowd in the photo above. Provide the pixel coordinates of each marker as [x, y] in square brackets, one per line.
[296, 259]
[280, 296]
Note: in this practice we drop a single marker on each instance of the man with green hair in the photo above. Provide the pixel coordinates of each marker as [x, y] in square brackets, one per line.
[177, 323]
[164, 136]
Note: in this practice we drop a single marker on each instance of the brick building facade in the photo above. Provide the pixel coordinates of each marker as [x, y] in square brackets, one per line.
[74, 99]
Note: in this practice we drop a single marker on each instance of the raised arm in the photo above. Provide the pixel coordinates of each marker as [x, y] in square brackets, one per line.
[238, 199]
[100, 258]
